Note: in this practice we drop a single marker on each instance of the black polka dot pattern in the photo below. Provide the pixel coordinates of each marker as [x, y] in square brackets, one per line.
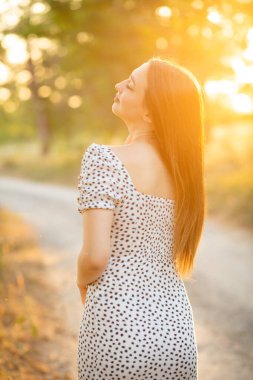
[137, 320]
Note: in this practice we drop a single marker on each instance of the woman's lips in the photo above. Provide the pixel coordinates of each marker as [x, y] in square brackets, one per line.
[116, 99]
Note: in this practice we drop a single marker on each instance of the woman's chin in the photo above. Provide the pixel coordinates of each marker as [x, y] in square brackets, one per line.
[115, 104]
[114, 108]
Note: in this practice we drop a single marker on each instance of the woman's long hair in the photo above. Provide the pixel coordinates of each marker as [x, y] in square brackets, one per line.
[174, 99]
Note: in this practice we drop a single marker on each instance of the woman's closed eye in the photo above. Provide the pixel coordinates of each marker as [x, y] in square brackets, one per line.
[129, 87]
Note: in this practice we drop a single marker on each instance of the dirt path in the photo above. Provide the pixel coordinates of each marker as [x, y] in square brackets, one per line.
[220, 290]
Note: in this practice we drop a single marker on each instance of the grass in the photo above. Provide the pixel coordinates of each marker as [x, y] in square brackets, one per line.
[33, 337]
[228, 169]
[229, 175]
[24, 160]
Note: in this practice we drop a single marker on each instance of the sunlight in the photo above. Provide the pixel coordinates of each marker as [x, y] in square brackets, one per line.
[197, 4]
[24, 93]
[227, 88]
[232, 88]
[245, 1]
[83, 37]
[15, 46]
[248, 52]
[162, 43]
[242, 103]
[214, 17]
[44, 91]
[40, 8]
[23, 77]
[163, 11]
[10, 14]
[60, 83]
[5, 73]
[216, 87]
[75, 101]
[4, 94]
[243, 73]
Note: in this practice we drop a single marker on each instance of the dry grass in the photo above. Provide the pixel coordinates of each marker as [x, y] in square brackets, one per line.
[33, 338]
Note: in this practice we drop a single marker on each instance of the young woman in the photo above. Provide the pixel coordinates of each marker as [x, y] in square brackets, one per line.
[143, 207]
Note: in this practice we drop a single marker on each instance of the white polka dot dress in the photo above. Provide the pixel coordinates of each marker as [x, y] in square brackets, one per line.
[137, 321]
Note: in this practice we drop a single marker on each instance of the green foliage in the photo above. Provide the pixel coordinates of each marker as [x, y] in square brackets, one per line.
[94, 44]
[229, 168]
[85, 47]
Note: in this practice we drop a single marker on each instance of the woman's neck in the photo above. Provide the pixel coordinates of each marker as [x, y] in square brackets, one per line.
[140, 136]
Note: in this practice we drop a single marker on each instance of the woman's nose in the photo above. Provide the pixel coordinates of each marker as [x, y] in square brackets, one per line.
[119, 85]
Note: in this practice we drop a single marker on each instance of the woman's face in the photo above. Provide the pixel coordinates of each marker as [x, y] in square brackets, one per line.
[129, 101]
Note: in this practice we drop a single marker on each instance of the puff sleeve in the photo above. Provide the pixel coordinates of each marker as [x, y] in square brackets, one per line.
[99, 180]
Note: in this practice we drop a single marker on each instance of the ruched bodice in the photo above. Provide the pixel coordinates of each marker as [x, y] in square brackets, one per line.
[137, 319]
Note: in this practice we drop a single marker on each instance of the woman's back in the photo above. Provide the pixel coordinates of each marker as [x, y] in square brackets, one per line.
[146, 168]
[137, 320]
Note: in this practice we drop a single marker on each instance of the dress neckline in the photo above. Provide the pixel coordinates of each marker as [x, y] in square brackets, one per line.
[168, 200]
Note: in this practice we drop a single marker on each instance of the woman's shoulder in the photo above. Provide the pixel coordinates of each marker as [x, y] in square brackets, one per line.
[111, 154]
[131, 153]
[94, 152]
[100, 183]
[98, 157]
[133, 157]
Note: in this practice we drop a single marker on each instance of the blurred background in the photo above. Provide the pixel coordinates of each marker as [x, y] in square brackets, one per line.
[59, 63]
